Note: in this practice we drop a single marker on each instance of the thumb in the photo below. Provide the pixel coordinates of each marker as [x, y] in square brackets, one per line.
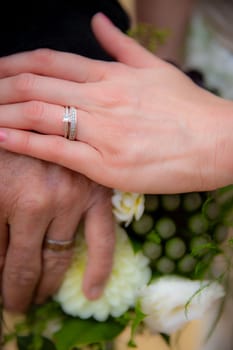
[119, 45]
[100, 238]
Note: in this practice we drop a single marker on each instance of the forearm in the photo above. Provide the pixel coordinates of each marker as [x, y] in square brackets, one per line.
[164, 14]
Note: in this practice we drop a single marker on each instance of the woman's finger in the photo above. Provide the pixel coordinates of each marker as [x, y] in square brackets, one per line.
[74, 155]
[33, 115]
[27, 86]
[47, 119]
[121, 46]
[100, 236]
[53, 63]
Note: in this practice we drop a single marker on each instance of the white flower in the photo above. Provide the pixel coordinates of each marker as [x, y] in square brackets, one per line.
[172, 301]
[130, 272]
[52, 327]
[127, 205]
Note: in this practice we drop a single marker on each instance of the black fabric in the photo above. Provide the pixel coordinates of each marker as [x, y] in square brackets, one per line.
[56, 24]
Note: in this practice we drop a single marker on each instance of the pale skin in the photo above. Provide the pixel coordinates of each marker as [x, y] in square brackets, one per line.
[31, 209]
[143, 126]
[197, 168]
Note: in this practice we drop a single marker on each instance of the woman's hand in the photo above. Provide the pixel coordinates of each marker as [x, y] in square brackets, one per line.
[143, 126]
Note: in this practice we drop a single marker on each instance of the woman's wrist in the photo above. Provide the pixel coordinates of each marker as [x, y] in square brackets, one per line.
[220, 131]
[225, 144]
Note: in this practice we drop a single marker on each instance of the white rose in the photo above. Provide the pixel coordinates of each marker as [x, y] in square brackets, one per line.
[172, 301]
[127, 206]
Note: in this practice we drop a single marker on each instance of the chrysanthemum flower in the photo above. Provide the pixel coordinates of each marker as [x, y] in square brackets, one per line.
[127, 206]
[170, 302]
[130, 272]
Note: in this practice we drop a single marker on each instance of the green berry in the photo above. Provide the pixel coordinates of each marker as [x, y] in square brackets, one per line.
[170, 202]
[220, 233]
[186, 264]
[143, 225]
[151, 202]
[197, 245]
[212, 210]
[192, 201]
[198, 224]
[225, 196]
[165, 227]
[152, 250]
[175, 248]
[165, 265]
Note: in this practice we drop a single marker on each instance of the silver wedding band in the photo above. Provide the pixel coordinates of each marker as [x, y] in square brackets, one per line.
[70, 123]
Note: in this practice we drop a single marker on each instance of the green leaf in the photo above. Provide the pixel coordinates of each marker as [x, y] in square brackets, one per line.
[205, 248]
[136, 321]
[166, 338]
[230, 242]
[201, 268]
[149, 36]
[136, 244]
[30, 343]
[76, 332]
[154, 237]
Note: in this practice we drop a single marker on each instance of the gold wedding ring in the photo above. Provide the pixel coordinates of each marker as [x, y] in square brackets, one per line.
[58, 246]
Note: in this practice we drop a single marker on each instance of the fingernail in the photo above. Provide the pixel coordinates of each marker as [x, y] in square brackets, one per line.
[95, 291]
[2, 136]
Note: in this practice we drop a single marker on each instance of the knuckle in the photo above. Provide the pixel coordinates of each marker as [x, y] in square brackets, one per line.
[101, 195]
[34, 111]
[24, 266]
[106, 194]
[43, 56]
[105, 245]
[24, 276]
[57, 261]
[35, 203]
[26, 143]
[112, 98]
[24, 83]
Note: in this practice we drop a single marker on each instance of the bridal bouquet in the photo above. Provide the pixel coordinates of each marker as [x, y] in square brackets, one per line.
[162, 275]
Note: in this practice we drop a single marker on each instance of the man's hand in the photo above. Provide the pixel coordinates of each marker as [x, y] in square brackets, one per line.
[39, 199]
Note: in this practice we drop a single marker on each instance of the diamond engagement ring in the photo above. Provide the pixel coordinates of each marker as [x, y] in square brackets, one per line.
[70, 123]
[58, 246]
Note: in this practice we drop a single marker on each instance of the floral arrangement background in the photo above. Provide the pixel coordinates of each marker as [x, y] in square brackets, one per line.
[163, 274]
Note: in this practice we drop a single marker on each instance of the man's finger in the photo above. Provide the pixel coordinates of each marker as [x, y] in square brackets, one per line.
[3, 245]
[55, 262]
[100, 236]
[23, 260]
